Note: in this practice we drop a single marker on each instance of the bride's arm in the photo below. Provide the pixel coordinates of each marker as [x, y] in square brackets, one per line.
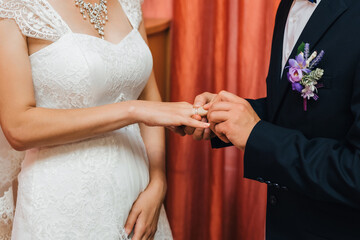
[26, 126]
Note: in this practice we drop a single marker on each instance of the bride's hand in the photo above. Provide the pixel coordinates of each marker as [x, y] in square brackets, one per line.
[144, 215]
[166, 114]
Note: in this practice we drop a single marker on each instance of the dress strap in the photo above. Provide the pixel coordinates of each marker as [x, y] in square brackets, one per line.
[35, 18]
[132, 9]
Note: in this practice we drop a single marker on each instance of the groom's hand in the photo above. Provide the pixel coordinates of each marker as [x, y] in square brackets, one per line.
[233, 117]
[197, 133]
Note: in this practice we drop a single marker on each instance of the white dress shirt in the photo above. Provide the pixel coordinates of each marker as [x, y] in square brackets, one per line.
[299, 16]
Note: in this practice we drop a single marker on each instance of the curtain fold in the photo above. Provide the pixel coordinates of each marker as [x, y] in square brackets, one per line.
[216, 44]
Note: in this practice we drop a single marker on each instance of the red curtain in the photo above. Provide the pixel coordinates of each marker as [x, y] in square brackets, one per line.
[216, 44]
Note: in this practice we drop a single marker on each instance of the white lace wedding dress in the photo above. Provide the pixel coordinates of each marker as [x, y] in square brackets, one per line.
[82, 190]
[10, 161]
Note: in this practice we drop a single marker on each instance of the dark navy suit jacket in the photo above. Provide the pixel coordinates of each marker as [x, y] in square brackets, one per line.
[311, 160]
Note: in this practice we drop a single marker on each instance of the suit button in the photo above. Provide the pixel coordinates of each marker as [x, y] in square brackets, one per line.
[276, 185]
[284, 188]
[267, 182]
[260, 179]
[273, 200]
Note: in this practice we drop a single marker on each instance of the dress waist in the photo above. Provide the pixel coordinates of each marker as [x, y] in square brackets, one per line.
[127, 139]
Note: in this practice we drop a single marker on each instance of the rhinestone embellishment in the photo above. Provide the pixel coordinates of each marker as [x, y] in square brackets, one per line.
[98, 14]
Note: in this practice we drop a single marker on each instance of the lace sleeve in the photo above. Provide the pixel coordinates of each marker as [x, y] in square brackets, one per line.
[34, 18]
[133, 11]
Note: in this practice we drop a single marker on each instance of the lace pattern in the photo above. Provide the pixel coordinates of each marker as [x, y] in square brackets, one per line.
[37, 19]
[6, 214]
[10, 161]
[34, 18]
[132, 9]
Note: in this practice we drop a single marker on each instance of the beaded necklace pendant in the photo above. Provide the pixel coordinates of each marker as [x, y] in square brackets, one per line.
[97, 13]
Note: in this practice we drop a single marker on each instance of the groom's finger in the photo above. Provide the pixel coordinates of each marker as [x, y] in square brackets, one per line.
[229, 97]
[179, 130]
[213, 101]
[190, 130]
[218, 116]
[203, 98]
[222, 106]
[207, 134]
[219, 134]
[220, 131]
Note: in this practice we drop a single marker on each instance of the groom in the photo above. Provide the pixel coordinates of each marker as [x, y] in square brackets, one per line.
[306, 151]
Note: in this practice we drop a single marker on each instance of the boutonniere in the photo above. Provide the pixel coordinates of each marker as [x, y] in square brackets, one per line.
[303, 75]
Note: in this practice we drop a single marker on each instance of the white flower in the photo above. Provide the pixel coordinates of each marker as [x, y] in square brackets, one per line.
[308, 92]
[312, 57]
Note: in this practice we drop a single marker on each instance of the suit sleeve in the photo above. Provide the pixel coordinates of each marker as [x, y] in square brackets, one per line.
[259, 105]
[324, 169]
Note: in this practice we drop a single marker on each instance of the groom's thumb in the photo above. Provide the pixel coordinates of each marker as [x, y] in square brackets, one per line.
[203, 99]
[199, 101]
[229, 97]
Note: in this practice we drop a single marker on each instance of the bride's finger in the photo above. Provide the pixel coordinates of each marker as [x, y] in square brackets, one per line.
[131, 220]
[140, 229]
[196, 124]
[202, 112]
[199, 111]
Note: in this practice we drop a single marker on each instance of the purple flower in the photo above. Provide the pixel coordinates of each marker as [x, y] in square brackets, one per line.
[299, 63]
[297, 87]
[317, 60]
[307, 50]
[301, 67]
[295, 75]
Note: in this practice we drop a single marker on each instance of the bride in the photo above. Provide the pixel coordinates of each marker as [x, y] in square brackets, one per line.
[77, 92]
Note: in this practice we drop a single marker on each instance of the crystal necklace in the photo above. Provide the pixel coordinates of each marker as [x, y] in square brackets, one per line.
[97, 13]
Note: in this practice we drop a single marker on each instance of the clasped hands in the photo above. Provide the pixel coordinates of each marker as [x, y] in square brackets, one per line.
[231, 118]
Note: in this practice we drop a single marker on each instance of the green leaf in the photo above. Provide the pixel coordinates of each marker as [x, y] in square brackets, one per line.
[301, 48]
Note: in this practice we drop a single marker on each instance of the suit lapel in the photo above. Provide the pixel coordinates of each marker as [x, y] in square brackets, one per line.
[277, 49]
[324, 16]
[278, 39]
